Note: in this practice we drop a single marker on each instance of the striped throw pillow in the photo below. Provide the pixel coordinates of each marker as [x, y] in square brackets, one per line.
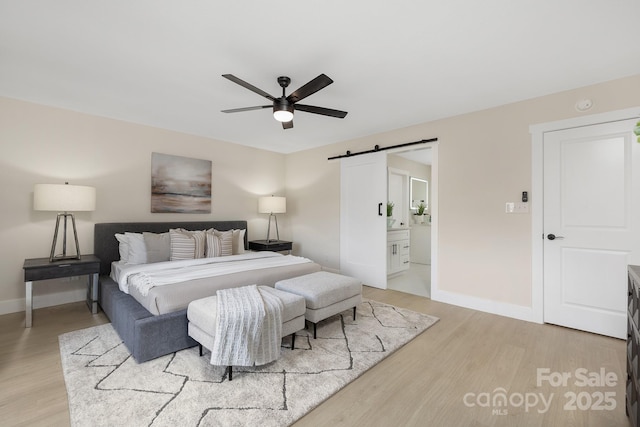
[219, 243]
[187, 244]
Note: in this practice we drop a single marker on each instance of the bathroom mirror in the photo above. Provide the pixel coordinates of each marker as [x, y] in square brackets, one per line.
[419, 189]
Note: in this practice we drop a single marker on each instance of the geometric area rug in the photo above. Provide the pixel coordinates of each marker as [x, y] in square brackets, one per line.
[107, 387]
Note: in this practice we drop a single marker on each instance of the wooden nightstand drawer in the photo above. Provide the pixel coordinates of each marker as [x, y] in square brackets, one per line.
[35, 270]
[270, 245]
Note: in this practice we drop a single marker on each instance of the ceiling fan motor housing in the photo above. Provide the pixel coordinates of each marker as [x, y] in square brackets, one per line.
[281, 104]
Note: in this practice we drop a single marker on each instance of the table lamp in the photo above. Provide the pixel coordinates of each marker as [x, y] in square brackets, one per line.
[272, 205]
[64, 198]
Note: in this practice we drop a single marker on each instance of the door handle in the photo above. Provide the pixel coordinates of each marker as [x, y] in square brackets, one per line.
[379, 209]
[554, 237]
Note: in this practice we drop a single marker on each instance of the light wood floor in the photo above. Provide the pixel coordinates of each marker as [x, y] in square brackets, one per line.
[467, 353]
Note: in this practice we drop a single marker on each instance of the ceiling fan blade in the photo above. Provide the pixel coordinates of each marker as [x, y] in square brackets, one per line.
[237, 110]
[249, 86]
[321, 110]
[287, 125]
[310, 88]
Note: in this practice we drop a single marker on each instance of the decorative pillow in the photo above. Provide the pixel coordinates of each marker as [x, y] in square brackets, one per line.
[123, 247]
[238, 241]
[186, 244]
[182, 246]
[200, 239]
[158, 246]
[137, 248]
[219, 243]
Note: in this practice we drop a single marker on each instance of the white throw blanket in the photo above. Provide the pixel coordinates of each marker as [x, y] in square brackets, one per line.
[146, 276]
[248, 328]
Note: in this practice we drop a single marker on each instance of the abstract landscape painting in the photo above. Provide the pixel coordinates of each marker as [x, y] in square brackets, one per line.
[180, 184]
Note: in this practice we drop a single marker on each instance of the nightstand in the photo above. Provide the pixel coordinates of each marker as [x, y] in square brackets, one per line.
[270, 245]
[43, 269]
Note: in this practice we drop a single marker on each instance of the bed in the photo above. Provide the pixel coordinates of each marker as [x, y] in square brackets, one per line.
[161, 328]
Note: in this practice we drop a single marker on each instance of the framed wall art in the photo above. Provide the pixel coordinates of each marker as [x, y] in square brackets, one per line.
[180, 184]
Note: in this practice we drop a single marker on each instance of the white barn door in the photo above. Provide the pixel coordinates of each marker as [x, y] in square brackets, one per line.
[363, 198]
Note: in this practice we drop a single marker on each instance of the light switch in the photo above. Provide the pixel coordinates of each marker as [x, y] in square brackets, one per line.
[509, 207]
[516, 208]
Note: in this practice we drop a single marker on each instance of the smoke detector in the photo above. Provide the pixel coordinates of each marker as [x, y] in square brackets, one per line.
[584, 105]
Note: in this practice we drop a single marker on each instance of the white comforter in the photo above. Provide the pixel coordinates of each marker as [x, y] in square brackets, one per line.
[146, 276]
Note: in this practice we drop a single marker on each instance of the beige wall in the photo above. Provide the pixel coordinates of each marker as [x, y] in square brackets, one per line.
[40, 144]
[484, 161]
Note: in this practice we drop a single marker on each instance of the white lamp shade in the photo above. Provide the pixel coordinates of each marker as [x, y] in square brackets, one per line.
[272, 204]
[64, 197]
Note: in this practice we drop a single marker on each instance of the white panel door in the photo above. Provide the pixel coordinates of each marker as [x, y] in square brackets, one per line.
[591, 225]
[363, 198]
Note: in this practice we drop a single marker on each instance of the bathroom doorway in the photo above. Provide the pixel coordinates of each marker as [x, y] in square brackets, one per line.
[417, 279]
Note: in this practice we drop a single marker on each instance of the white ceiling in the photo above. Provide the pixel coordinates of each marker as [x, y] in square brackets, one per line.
[395, 64]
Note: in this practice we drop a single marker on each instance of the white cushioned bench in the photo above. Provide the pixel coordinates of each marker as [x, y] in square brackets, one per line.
[201, 315]
[326, 294]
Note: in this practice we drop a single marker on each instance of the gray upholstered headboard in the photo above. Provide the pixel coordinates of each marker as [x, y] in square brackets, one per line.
[105, 245]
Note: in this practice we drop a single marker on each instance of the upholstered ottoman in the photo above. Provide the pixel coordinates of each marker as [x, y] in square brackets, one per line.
[201, 315]
[326, 294]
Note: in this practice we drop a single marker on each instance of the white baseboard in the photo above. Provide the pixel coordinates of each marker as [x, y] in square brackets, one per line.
[488, 306]
[40, 301]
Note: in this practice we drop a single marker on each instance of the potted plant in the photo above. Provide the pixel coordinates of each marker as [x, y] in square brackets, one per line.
[390, 206]
[420, 212]
[390, 220]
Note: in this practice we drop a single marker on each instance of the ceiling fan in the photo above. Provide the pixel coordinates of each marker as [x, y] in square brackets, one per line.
[284, 106]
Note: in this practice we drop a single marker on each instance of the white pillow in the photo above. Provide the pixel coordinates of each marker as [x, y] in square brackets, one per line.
[123, 247]
[137, 248]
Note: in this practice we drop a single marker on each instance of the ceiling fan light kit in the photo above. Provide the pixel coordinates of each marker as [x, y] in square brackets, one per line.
[284, 106]
[282, 110]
